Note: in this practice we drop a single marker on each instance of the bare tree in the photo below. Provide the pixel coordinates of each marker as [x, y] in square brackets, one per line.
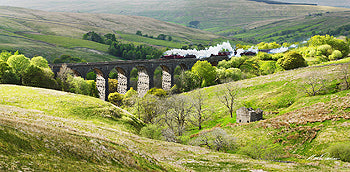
[151, 108]
[313, 84]
[227, 95]
[63, 76]
[345, 72]
[200, 113]
[177, 116]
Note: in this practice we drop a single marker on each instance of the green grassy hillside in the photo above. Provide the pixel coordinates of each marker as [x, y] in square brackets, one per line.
[52, 130]
[294, 29]
[52, 34]
[49, 130]
[304, 126]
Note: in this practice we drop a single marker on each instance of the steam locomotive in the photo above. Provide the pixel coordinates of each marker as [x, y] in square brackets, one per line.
[176, 56]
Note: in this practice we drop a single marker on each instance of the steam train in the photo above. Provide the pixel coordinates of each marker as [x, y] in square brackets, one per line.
[176, 56]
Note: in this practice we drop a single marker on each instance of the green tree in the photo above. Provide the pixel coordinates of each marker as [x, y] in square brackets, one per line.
[7, 76]
[139, 33]
[112, 85]
[4, 55]
[206, 73]
[39, 77]
[92, 88]
[78, 85]
[19, 63]
[92, 36]
[39, 62]
[292, 60]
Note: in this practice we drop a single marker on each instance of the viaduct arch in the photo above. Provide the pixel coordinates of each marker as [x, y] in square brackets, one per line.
[145, 68]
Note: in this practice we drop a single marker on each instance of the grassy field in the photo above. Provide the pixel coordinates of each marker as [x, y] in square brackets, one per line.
[288, 111]
[51, 130]
[58, 130]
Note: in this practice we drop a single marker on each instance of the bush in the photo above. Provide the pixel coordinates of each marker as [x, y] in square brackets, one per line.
[277, 56]
[230, 74]
[250, 66]
[264, 56]
[92, 88]
[116, 98]
[260, 149]
[78, 85]
[130, 97]
[292, 60]
[157, 92]
[341, 151]
[335, 55]
[7, 76]
[112, 85]
[37, 77]
[151, 131]
[267, 67]
[325, 50]
[216, 139]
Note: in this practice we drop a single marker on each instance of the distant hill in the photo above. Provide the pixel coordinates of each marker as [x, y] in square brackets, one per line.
[51, 34]
[294, 29]
[214, 16]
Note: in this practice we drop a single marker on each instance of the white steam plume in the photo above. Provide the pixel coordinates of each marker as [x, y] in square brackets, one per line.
[203, 53]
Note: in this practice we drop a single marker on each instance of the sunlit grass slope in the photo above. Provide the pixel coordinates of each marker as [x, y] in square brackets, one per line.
[304, 126]
[49, 130]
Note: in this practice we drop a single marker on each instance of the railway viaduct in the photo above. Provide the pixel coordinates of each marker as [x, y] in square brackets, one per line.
[145, 69]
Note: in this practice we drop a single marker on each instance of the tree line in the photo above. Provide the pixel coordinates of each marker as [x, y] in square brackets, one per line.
[17, 69]
[126, 51]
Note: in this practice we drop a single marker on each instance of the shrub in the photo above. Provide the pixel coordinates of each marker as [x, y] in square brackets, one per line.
[341, 151]
[335, 55]
[4, 55]
[7, 76]
[267, 67]
[277, 56]
[264, 56]
[78, 85]
[325, 50]
[157, 92]
[116, 98]
[250, 66]
[216, 139]
[37, 77]
[130, 95]
[112, 85]
[292, 60]
[151, 131]
[230, 74]
[92, 88]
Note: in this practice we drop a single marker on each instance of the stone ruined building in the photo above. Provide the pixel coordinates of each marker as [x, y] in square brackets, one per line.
[247, 115]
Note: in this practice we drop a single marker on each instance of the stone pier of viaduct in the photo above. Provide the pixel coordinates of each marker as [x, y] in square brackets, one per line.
[145, 69]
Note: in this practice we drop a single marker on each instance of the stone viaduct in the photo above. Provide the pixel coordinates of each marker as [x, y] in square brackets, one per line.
[145, 69]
